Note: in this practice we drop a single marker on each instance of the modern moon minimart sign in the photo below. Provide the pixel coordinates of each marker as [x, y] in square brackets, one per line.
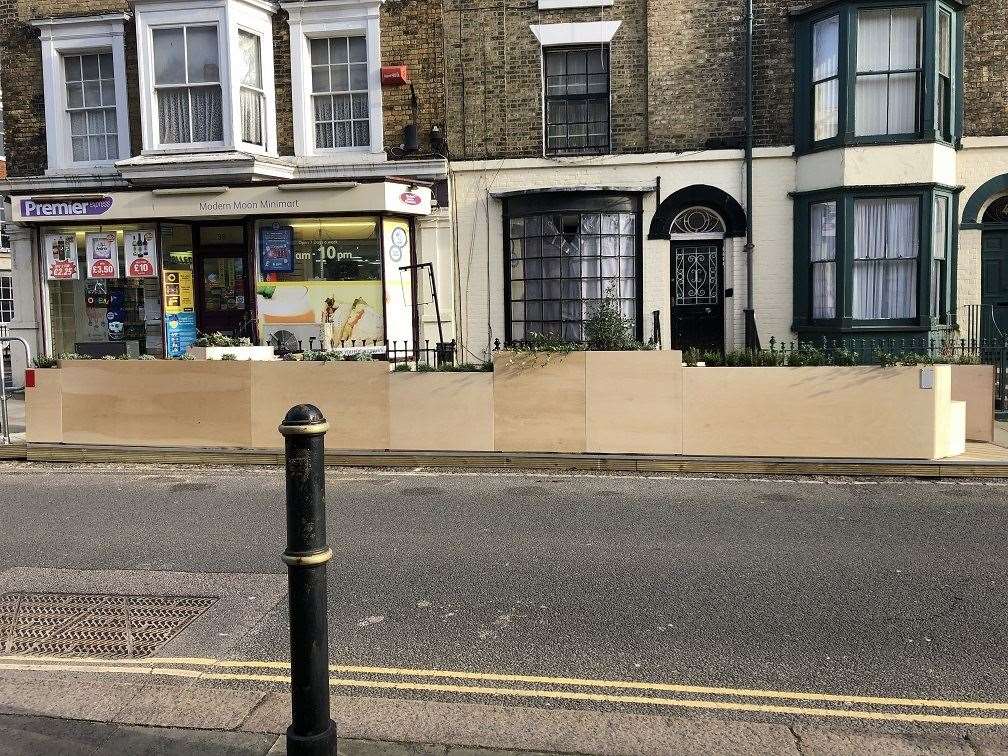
[198, 202]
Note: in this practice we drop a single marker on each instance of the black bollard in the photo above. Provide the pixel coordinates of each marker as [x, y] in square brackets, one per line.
[312, 732]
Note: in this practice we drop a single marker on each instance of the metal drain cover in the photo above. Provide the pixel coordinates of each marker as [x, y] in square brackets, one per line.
[95, 626]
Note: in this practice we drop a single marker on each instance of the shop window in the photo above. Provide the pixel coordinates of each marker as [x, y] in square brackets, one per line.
[321, 271]
[564, 262]
[863, 253]
[336, 77]
[84, 76]
[118, 315]
[577, 100]
[209, 76]
[868, 74]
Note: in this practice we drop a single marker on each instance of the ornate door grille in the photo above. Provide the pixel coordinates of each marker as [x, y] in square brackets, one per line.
[697, 275]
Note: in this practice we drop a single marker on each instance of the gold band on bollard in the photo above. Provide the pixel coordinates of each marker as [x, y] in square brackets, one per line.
[307, 560]
[313, 429]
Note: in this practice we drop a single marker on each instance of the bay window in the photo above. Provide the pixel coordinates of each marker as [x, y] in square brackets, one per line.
[874, 260]
[206, 75]
[187, 84]
[870, 73]
[251, 95]
[823, 258]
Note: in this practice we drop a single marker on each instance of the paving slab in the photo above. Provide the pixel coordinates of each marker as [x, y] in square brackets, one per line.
[203, 707]
[821, 742]
[988, 743]
[532, 729]
[152, 741]
[68, 697]
[43, 736]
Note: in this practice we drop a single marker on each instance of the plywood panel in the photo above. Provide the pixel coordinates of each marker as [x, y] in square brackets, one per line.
[352, 395]
[814, 412]
[43, 408]
[539, 402]
[634, 402]
[974, 384]
[441, 411]
[157, 403]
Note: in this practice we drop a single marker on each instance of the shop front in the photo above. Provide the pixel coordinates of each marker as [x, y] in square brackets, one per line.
[306, 266]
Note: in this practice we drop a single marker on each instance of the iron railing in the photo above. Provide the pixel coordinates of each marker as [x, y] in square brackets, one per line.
[431, 353]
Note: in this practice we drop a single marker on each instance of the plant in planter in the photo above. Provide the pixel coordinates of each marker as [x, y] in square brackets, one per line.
[218, 339]
[43, 362]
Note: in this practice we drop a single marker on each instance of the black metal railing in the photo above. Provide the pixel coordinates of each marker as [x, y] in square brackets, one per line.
[429, 353]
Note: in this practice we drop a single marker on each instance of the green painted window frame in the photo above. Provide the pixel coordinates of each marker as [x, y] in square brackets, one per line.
[845, 198]
[930, 128]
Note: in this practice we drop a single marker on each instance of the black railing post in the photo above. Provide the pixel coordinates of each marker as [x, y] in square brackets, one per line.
[312, 732]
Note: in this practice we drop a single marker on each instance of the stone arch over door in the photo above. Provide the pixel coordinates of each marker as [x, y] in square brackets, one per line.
[698, 195]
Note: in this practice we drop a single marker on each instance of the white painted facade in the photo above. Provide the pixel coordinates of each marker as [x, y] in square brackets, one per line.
[478, 188]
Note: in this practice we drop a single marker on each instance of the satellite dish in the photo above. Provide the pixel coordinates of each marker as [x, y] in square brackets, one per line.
[285, 341]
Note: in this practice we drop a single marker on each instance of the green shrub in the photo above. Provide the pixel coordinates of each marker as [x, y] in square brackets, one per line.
[218, 339]
[42, 362]
[425, 369]
[403, 367]
[228, 358]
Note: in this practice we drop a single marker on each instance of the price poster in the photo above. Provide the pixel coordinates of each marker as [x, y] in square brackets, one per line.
[61, 257]
[102, 255]
[141, 254]
[178, 291]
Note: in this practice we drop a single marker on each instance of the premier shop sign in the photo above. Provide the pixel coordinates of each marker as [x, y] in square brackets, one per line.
[75, 208]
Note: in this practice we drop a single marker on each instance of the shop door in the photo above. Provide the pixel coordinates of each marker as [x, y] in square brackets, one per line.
[223, 300]
[697, 296]
[994, 285]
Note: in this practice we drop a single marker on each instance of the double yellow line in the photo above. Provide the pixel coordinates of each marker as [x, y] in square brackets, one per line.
[879, 708]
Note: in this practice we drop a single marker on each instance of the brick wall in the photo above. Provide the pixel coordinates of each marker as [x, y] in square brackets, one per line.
[677, 74]
[494, 76]
[985, 73]
[412, 35]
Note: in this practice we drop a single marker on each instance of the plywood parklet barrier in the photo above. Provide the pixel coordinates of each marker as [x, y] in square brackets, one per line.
[974, 384]
[599, 402]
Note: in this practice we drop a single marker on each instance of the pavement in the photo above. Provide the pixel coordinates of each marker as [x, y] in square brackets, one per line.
[558, 613]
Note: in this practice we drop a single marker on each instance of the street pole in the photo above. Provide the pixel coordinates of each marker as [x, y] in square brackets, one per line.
[312, 732]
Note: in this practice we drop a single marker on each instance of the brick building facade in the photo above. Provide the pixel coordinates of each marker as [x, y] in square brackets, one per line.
[620, 126]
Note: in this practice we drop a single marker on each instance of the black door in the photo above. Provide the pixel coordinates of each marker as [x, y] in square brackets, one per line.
[994, 285]
[223, 300]
[698, 295]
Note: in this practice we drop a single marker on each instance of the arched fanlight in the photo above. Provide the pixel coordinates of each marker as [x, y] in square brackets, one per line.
[697, 220]
[997, 212]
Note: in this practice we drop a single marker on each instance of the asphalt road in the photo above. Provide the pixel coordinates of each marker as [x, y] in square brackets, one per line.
[892, 588]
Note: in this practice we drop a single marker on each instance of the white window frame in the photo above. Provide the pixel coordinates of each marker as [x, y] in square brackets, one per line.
[9, 277]
[80, 36]
[333, 18]
[252, 16]
[573, 35]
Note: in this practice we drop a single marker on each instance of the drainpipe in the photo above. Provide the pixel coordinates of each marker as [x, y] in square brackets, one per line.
[751, 334]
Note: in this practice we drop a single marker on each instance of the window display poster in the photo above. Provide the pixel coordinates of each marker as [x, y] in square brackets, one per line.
[61, 257]
[180, 333]
[276, 249]
[141, 254]
[102, 255]
[178, 291]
